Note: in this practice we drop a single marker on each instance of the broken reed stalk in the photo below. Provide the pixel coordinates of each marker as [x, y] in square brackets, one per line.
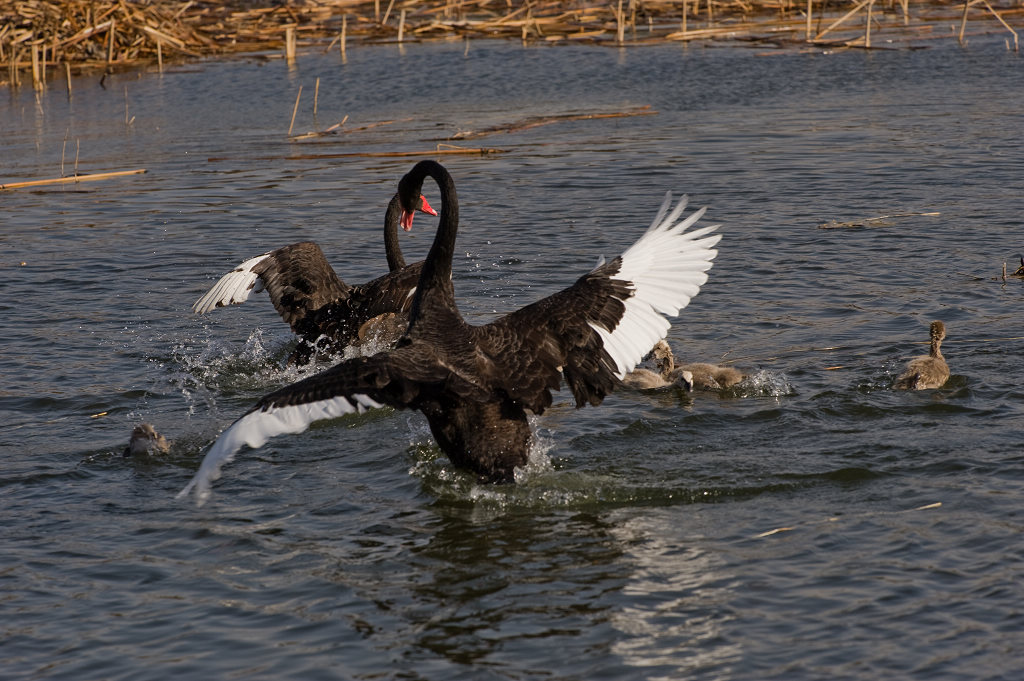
[401, 25]
[12, 71]
[843, 18]
[1016, 46]
[963, 20]
[316, 97]
[70, 180]
[867, 30]
[67, 70]
[295, 110]
[289, 43]
[683, 26]
[387, 13]
[160, 56]
[620, 26]
[37, 82]
[110, 41]
[344, 30]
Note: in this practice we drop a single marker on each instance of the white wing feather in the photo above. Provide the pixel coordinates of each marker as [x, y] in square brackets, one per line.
[666, 268]
[258, 426]
[233, 288]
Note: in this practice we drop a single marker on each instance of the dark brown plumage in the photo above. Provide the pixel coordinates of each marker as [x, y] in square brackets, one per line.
[475, 384]
[926, 371]
[324, 311]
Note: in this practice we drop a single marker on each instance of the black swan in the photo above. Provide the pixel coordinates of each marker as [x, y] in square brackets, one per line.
[326, 313]
[926, 371]
[475, 384]
[145, 440]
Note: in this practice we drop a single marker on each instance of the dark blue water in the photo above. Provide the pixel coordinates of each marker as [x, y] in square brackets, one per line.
[810, 524]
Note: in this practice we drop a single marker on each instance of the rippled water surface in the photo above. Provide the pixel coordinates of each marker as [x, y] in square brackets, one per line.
[811, 523]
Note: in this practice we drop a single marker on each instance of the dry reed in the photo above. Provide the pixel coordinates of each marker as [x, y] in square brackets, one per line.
[72, 179]
[85, 34]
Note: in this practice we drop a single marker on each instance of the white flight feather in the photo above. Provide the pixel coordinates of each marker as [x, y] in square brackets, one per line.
[666, 268]
[258, 426]
[233, 288]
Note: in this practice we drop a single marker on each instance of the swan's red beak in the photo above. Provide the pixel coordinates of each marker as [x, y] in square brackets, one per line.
[406, 220]
[425, 207]
[407, 216]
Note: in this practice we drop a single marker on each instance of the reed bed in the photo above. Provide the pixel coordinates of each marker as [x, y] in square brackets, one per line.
[39, 36]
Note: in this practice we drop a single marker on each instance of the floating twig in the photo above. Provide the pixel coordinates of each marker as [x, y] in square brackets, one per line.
[835, 519]
[482, 151]
[835, 224]
[333, 130]
[536, 121]
[72, 179]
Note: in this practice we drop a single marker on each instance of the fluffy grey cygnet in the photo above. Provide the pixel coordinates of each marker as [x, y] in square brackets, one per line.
[926, 371]
[145, 440]
[703, 376]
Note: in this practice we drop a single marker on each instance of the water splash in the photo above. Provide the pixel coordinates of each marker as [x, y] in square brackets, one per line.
[764, 383]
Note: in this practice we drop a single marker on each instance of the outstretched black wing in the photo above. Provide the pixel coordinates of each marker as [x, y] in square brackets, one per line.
[537, 345]
[297, 277]
[402, 378]
[598, 329]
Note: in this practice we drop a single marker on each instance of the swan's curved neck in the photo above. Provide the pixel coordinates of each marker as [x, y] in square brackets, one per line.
[435, 285]
[392, 249]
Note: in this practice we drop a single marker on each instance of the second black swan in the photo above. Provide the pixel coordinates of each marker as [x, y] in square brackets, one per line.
[475, 384]
[326, 313]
